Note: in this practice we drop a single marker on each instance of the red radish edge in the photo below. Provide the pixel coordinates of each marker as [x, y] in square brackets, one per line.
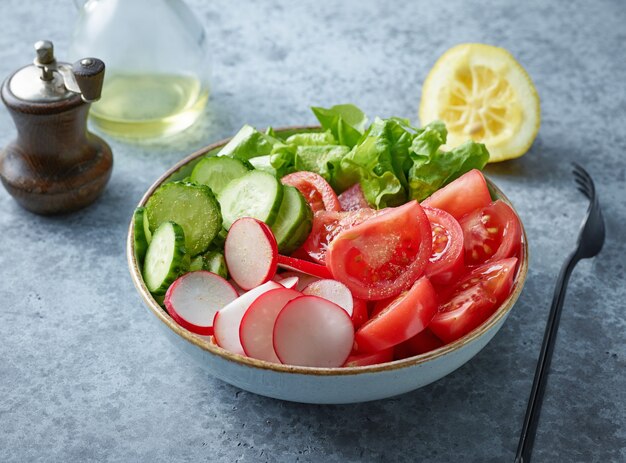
[251, 252]
[304, 279]
[238, 288]
[228, 319]
[220, 295]
[289, 282]
[257, 325]
[299, 265]
[311, 331]
[333, 291]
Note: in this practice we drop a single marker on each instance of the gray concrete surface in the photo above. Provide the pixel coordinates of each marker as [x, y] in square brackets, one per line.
[86, 376]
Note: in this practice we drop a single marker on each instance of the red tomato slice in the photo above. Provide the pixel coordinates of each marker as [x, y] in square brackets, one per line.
[327, 225]
[359, 312]
[315, 190]
[491, 233]
[446, 261]
[406, 316]
[462, 196]
[384, 255]
[473, 299]
[353, 198]
[422, 342]
[361, 360]
[380, 305]
[496, 277]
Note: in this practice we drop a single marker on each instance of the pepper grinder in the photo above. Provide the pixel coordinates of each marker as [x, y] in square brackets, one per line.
[55, 165]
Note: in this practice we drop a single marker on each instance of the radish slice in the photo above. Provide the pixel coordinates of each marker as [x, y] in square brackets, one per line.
[332, 290]
[289, 282]
[227, 320]
[304, 280]
[250, 251]
[313, 332]
[194, 298]
[257, 325]
[299, 265]
[238, 288]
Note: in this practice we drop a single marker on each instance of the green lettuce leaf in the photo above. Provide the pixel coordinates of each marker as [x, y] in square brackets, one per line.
[433, 168]
[392, 160]
[249, 143]
[372, 164]
[346, 122]
[264, 163]
[429, 139]
[323, 160]
[312, 138]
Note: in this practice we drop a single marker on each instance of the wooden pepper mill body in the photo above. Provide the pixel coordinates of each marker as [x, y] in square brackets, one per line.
[55, 165]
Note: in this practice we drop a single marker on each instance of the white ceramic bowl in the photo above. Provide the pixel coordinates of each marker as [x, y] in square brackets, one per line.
[320, 385]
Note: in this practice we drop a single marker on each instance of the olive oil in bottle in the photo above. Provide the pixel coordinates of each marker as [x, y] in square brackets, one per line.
[156, 54]
[147, 106]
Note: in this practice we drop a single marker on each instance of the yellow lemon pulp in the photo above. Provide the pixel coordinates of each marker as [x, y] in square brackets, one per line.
[481, 92]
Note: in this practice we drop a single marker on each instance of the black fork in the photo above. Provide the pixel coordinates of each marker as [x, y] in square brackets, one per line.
[590, 241]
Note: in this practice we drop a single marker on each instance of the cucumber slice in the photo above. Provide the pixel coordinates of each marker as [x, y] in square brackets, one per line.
[193, 207]
[217, 172]
[197, 263]
[257, 194]
[146, 226]
[165, 259]
[218, 241]
[301, 234]
[212, 261]
[140, 238]
[293, 214]
[159, 298]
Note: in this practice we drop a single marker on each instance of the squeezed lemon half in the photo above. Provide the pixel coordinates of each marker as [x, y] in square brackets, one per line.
[481, 92]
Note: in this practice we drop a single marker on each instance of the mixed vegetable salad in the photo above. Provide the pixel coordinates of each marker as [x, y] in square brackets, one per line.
[354, 245]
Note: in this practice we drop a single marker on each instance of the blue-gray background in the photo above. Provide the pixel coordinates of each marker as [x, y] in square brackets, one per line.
[84, 373]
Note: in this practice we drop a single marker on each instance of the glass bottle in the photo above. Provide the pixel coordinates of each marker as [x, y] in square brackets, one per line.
[157, 73]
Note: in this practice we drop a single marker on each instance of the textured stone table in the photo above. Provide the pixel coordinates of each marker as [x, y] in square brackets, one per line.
[86, 376]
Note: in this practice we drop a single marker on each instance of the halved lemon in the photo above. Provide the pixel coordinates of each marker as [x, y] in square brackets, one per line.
[481, 92]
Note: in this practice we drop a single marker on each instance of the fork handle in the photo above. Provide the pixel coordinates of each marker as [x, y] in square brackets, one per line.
[531, 419]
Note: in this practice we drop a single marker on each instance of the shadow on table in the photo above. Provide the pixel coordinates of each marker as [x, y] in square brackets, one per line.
[463, 415]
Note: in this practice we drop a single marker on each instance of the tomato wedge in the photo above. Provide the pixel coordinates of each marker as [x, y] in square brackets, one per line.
[380, 305]
[446, 261]
[361, 360]
[353, 198]
[491, 233]
[315, 190]
[473, 299]
[326, 226]
[406, 316]
[359, 312]
[462, 196]
[384, 255]
[422, 342]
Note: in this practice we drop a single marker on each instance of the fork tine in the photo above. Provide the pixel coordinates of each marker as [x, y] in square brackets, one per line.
[582, 184]
[582, 175]
[581, 172]
[579, 168]
[584, 191]
[580, 178]
[583, 179]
